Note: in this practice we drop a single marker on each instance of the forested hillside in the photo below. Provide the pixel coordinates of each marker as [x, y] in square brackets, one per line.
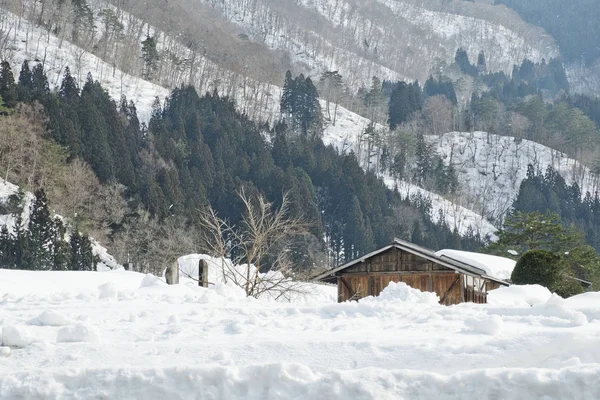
[197, 151]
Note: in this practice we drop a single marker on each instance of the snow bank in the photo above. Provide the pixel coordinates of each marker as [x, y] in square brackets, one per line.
[401, 292]
[494, 266]
[15, 283]
[16, 336]
[519, 296]
[295, 381]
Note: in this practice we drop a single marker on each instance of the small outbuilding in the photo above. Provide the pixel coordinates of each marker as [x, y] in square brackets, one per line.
[452, 280]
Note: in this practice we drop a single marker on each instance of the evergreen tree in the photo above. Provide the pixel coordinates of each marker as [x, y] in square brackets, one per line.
[287, 94]
[25, 86]
[150, 57]
[423, 160]
[481, 64]
[405, 100]
[6, 248]
[357, 238]
[39, 83]
[84, 18]
[462, 60]
[40, 233]
[8, 88]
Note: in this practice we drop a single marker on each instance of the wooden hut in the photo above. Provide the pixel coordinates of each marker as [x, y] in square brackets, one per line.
[453, 281]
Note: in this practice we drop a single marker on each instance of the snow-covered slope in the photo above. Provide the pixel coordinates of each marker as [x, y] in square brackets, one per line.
[28, 42]
[492, 167]
[491, 175]
[391, 39]
[121, 334]
[345, 136]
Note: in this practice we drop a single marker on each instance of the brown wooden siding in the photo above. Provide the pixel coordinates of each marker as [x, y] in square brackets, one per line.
[380, 282]
[353, 287]
[417, 281]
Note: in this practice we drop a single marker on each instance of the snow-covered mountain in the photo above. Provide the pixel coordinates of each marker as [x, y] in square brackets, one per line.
[391, 39]
[361, 39]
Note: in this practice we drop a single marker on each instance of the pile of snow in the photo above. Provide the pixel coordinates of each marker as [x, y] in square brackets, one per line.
[494, 266]
[18, 283]
[51, 318]
[16, 336]
[296, 381]
[77, 333]
[401, 292]
[519, 296]
[225, 275]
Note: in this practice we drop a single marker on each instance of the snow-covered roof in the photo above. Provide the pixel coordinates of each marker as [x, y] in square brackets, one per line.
[494, 266]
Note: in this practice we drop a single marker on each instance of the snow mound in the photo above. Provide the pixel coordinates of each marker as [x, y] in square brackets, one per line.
[519, 296]
[588, 303]
[486, 326]
[494, 266]
[77, 333]
[51, 318]
[16, 336]
[4, 351]
[401, 292]
[556, 307]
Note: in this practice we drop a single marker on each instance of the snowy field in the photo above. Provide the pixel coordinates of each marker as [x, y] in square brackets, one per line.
[118, 334]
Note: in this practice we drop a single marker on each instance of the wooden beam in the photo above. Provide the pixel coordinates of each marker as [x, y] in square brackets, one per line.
[437, 273]
[443, 299]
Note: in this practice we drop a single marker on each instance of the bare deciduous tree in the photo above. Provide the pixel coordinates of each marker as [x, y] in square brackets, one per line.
[437, 111]
[260, 239]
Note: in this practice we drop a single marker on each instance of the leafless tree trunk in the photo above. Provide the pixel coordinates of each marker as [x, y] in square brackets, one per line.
[260, 235]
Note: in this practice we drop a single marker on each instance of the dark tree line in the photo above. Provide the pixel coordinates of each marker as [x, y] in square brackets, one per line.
[42, 243]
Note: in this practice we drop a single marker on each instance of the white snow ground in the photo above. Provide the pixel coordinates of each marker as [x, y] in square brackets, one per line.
[118, 334]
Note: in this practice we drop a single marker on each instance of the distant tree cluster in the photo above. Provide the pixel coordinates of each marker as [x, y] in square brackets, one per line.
[548, 192]
[300, 102]
[440, 87]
